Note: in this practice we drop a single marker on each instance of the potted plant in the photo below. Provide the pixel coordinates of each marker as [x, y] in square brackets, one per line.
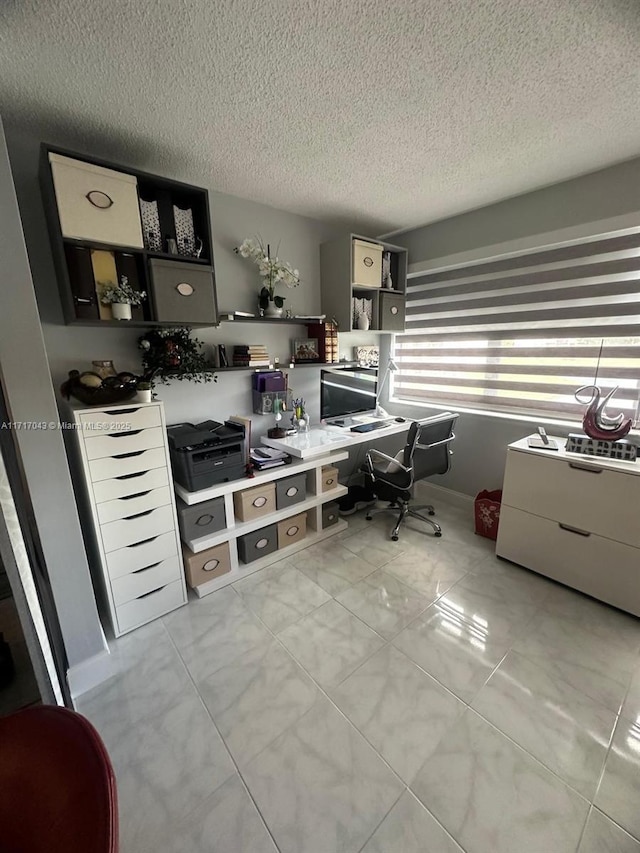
[121, 297]
[173, 354]
[273, 272]
[144, 392]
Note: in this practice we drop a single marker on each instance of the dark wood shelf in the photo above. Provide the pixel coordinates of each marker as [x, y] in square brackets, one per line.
[137, 324]
[188, 259]
[225, 317]
[105, 247]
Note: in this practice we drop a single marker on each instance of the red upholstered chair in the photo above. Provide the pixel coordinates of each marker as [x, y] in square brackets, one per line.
[57, 787]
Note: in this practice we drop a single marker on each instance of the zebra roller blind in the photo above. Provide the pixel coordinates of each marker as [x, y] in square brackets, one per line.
[522, 333]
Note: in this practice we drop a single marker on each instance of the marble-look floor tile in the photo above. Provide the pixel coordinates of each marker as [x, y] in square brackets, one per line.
[492, 797]
[619, 792]
[174, 763]
[401, 711]
[374, 545]
[611, 625]
[333, 567]
[256, 697]
[409, 828]
[383, 602]
[604, 836]
[330, 643]
[228, 822]
[320, 787]
[431, 572]
[561, 727]
[574, 654]
[282, 597]
[631, 706]
[451, 647]
[213, 631]
[521, 587]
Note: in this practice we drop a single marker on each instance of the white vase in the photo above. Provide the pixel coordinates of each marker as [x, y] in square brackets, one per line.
[121, 310]
[144, 395]
[272, 310]
[363, 322]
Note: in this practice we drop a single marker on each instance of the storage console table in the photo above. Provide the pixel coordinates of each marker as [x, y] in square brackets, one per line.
[574, 518]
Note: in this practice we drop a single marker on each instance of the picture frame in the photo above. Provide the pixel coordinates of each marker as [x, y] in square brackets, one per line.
[306, 349]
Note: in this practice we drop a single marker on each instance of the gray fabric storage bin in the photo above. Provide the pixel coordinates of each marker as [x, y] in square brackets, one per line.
[182, 292]
[391, 311]
[291, 490]
[330, 514]
[258, 544]
[199, 519]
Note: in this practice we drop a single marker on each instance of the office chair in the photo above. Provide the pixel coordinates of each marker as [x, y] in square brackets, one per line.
[427, 452]
[57, 787]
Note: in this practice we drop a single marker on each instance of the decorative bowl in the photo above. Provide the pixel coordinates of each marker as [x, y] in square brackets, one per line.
[103, 395]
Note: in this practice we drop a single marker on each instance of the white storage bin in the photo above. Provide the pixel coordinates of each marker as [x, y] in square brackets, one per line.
[367, 264]
[96, 204]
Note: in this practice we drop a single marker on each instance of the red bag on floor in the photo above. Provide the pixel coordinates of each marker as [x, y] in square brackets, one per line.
[487, 513]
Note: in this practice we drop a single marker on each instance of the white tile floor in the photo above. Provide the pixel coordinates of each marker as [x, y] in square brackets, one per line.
[411, 697]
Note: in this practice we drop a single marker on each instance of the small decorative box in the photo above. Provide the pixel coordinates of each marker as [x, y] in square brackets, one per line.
[623, 449]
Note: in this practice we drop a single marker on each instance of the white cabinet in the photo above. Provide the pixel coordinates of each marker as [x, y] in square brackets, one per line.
[123, 461]
[575, 519]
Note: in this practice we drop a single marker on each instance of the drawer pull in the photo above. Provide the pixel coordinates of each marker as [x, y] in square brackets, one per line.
[126, 434]
[210, 565]
[329, 481]
[142, 542]
[131, 476]
[291, 491]
[128, 455]
[588, 468]
[99, 199]
[146, 594]
[259, 501]
[293, 530]
[204, 520]
[146, 568]
[576, 530]
[137, 515]
[137, 495]
[262, 543]
[115, 412]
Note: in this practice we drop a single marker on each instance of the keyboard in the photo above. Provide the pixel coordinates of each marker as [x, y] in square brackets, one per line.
[369, 426]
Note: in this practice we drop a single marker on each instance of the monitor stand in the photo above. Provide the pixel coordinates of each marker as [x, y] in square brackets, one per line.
[347, 421]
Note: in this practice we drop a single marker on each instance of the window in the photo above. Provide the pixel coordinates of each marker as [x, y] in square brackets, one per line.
[522, 333]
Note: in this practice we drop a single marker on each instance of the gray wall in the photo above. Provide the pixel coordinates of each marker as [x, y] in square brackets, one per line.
[30, 397]
[480, 447]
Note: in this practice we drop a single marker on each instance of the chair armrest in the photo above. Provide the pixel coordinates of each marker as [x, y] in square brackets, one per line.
[374, 455]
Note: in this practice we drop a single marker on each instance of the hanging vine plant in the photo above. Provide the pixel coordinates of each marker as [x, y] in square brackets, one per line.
[173, 354]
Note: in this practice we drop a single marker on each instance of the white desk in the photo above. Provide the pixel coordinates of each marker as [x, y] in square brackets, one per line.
[320, 440]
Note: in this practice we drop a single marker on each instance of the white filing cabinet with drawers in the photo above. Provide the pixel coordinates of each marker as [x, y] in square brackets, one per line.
[123, 460]
[574, 518]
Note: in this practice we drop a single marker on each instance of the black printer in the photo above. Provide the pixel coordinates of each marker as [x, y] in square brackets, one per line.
[205, 454]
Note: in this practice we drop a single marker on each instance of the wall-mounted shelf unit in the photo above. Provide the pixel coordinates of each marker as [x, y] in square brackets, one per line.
[348, 272]
[107, 221]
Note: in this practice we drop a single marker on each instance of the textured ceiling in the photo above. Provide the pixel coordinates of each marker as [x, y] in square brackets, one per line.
[391, 113]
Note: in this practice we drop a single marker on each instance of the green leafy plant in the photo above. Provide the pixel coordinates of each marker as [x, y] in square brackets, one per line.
[144, 386]
[121, 293]
[272, 269]
[173, 354]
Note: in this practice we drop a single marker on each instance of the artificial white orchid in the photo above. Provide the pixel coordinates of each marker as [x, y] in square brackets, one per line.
[272, 269]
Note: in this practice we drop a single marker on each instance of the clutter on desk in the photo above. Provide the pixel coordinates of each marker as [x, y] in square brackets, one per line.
[205, 454]
[268, 457]
[270, 392]
[299, 416]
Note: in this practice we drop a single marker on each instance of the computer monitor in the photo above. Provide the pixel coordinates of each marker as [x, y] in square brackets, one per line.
[347, 391]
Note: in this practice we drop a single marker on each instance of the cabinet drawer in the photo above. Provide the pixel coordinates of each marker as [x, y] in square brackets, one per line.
[579, 493]
[253, 503]
[133, 504]
[138, 461]
[117, 443]
[100, 423]
[133, 585]
[130, 484]
[607, 570]
[127, 531]
[95, 203]
[123, 561]
[149, 606]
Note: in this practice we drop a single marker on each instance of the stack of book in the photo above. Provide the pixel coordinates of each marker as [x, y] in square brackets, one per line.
[250, 355]
[267, 457]
[327, 336]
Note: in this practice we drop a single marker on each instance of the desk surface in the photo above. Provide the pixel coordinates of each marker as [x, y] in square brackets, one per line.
[319, 440]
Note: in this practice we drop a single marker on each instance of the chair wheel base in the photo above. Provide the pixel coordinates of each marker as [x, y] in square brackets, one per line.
[369, 517]
[438, 533]
[431, 512]
[394, 538]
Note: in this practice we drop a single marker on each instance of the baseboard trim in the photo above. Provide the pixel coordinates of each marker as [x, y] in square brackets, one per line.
[436, 493]
[89, 674]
